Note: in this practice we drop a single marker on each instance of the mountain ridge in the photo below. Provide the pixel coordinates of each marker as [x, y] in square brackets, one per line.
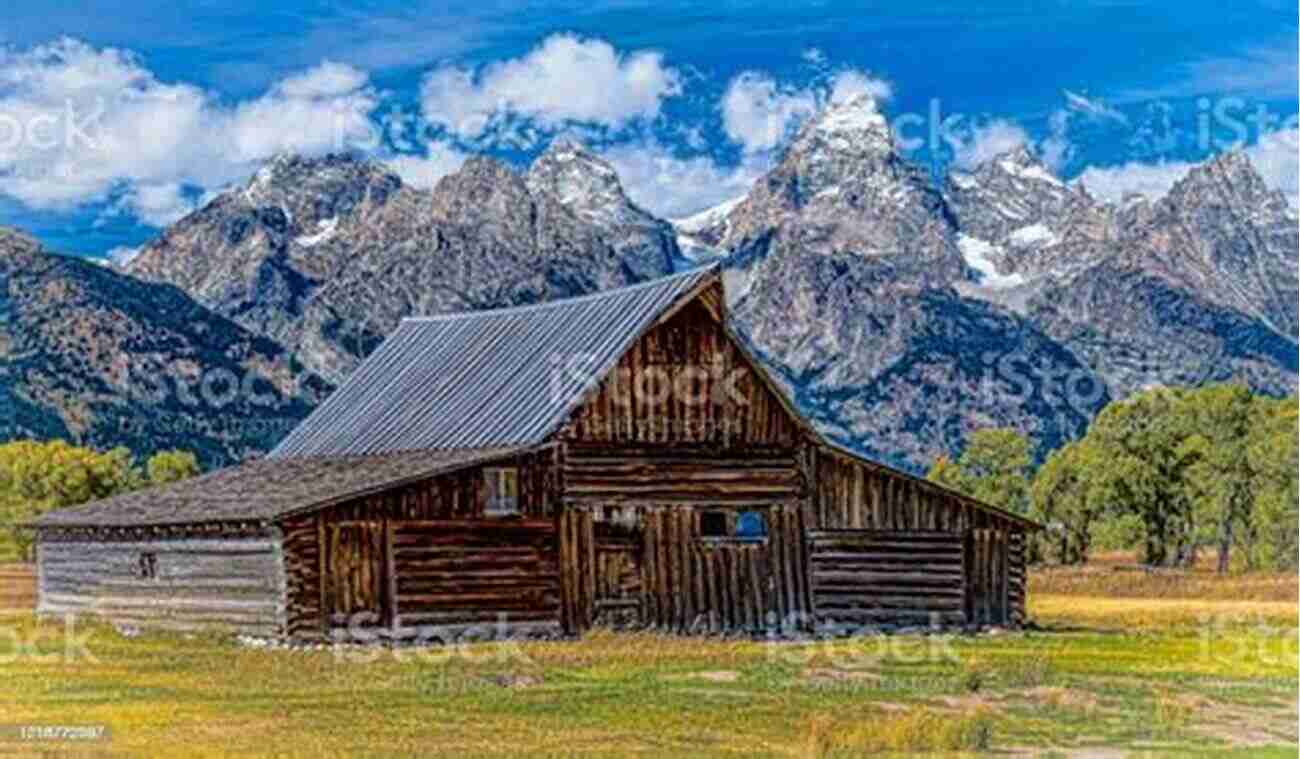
[900, 314]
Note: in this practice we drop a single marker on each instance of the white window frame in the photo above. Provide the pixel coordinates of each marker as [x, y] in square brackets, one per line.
[497, 479]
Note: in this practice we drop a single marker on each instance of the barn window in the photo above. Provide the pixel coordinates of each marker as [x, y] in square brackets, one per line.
[148, 566]
[713, 524]
[751, 525]
[502, 491]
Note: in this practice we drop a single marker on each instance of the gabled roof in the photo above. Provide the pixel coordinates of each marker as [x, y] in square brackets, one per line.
[267, 489]
[507, 377]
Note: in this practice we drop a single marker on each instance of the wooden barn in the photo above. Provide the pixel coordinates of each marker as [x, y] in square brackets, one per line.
[617, 459]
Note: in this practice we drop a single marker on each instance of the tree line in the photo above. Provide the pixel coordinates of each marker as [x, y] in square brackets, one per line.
[36, 477]
[1170, 472]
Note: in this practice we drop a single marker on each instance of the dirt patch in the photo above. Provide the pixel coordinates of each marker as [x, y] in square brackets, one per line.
[830, 675]
[719, 676]
[968, 703]
[514, 681]
[1063, 698]
[1241, 726]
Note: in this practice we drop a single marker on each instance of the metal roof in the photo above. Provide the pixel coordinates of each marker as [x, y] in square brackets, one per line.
[505, 377]
[267, 489]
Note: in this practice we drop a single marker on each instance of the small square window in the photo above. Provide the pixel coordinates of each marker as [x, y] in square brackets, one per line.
[148, 566]
[502, 486]
[713, 524]
[751, 525]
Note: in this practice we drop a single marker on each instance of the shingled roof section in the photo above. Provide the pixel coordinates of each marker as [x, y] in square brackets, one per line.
[267, 489]
[507, 377]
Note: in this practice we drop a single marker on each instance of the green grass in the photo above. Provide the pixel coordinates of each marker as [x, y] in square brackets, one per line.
[1070, 688]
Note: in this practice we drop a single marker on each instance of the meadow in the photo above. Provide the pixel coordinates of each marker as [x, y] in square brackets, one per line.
[1116, 659]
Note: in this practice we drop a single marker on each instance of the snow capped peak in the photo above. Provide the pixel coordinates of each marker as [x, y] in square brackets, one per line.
[1023, 164]
[855, 114]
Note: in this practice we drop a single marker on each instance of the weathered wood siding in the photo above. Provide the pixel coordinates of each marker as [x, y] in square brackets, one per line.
[662, 573]
[685, 381]
[610, 475]
[478, 572]
[1017, 579]
[874, 577]
[988, 594]
[851, 494]
[200, 581]
[854, 495]
[429, 555]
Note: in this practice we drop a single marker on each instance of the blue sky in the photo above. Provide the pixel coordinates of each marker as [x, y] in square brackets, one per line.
[690, 101]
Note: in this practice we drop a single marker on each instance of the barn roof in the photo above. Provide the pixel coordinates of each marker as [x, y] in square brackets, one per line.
[506, 377]
[267, 489]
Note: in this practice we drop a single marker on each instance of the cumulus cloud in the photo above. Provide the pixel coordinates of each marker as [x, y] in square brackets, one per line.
[566, 79]
[758, 113]
[1274, 157]
[982, 143]
[671, 186]
[80, 124]
[425, 171]
[157, 204]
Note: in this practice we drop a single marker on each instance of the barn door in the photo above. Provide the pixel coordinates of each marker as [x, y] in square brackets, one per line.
[986, 565]
[356, 579]
[618, 573]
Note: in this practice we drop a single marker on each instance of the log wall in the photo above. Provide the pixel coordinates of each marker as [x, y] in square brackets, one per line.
[232, 583]
[874, 577]
[416, 534]
[459, 573]
[611, 475]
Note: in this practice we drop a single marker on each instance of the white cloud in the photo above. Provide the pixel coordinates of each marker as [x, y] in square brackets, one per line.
[1094, 108]
[986, 142]
[122, 255]
[80, 124]
[813, 56]
[566, 79]
[758, 113]
[848, 85]
[157, 204]
[672, 187]
[1263, 71]
[1113, 183]
[425, 171]
[1274, 156]
[1277, 158]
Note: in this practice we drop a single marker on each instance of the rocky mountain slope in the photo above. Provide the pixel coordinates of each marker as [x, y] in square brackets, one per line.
[326, 256]
[101, 358]
[900, 314]
[1198, 285]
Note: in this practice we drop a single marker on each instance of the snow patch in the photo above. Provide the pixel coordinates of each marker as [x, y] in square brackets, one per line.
[1033, 234]
[977, 252]
[855, 115]
[706, 218]
[325, 229]
[1029, 171]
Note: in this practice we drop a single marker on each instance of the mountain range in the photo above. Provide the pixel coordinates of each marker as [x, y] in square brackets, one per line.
[900, 313]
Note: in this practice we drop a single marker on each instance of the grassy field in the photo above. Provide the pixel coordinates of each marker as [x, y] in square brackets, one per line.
[1167, 675]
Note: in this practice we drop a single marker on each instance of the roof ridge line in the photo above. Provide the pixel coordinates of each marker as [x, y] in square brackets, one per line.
[708, 268]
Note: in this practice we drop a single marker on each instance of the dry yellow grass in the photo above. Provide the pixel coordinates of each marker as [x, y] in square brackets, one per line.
[1117, 575]
[17, 586]
[1147, 613]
